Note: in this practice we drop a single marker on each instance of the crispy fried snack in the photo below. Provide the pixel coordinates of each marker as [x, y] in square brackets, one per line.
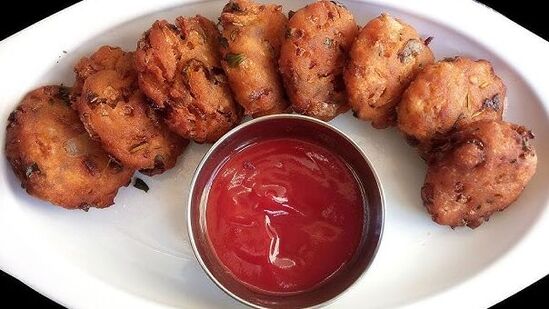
[105, 57]
[447, 95]
[250, 47]
[482, 168]
[55, 159]
[384, 59]
[115, 113]
[313, 56]
[179, 69]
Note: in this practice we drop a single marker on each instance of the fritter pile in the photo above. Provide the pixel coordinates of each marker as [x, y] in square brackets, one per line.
[132, 111]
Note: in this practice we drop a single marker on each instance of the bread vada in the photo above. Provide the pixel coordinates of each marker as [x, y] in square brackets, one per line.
[179, 69]
[115, 113]
[383, 60]
[53, 156]
[481, 169]
[447, 95]
[250, 46]
[313, 56]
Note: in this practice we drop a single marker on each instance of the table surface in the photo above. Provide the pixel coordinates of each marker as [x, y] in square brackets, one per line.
[531, 17]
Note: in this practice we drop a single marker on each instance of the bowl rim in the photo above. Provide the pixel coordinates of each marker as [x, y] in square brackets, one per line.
[231, 133]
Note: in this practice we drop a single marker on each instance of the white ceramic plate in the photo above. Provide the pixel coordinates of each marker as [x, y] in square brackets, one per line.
[137, 254]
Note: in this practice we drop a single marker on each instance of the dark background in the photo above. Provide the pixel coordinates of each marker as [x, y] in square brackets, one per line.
[20, 14]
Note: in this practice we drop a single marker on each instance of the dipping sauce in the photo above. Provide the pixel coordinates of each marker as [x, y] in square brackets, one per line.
[284, 215]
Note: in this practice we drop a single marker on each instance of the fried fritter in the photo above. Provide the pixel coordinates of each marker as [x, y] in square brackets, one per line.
[250, 47]
[383, 60]
[179, 69]
[447, 95]
[105, 57]
[482, 168]
[115, 113]
[312, 58]
[55, 159]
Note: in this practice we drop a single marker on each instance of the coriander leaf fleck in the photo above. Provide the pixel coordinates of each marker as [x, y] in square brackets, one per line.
[234, 60]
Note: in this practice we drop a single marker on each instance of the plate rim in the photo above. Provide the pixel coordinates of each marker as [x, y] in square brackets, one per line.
[481, 27]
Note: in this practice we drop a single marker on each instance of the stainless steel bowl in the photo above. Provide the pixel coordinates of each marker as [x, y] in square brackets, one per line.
[296, 126]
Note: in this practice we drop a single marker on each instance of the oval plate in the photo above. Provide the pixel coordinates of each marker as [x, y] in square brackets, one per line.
[136, 253]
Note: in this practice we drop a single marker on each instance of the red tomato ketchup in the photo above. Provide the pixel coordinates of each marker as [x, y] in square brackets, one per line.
[284, 215]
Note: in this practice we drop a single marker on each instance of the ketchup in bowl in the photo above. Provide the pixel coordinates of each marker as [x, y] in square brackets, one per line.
[284, 215]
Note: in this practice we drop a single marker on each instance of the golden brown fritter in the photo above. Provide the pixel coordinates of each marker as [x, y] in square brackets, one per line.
[179, 69]
[55, 159]
[105, 57]
[482, 168]
[383, 60]
[312, 58]
[446, 95]
[115, 113]
[250, 47]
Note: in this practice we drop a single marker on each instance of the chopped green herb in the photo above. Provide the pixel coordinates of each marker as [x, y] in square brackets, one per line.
[328, 42]
[140, 184]
[234, 60]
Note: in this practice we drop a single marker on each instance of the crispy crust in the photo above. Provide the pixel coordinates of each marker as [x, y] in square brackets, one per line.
[313, 56]
[447, 95]
[384, 59]
[250, 47]
[53, 156]
[115, 113]
[482, 168]
[179, 69]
